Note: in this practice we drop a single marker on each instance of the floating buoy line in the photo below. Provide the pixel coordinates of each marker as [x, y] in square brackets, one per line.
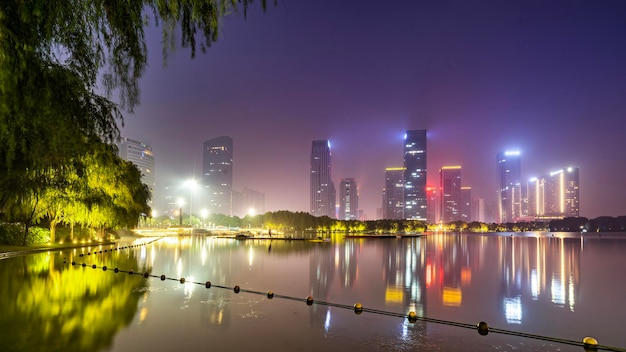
[588, 343]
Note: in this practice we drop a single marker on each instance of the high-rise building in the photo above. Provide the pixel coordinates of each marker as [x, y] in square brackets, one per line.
[393, 194]
[349, 200]
[432, 205]
[248, 202]
[555, 195]
[322, 189]
[478, 210]
[465, 204]
[415, 175]
[509, 186]
[450, 187]
[140, 154]
[217, 174]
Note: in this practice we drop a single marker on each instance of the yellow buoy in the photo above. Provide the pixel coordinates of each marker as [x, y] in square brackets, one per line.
[270, 294]
[412, 317]
[590, 344]
[358, 308]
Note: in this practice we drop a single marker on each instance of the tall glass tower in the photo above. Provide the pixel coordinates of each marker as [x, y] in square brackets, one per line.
[349, 200]
[509, 186]
[415, 175]
[322, 187]
[393, 200]
[217, 174]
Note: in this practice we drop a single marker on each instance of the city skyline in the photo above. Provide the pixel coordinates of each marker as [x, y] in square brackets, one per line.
[542, 78]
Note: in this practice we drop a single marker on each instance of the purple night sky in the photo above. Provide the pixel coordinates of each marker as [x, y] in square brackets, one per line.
[545, 77]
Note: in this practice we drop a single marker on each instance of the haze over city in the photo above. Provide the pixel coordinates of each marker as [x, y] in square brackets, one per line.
[545, 78]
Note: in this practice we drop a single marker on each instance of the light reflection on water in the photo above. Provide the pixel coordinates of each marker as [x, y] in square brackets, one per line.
[552, 284]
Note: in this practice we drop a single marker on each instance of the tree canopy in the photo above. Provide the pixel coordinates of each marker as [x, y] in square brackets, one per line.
[60, 64]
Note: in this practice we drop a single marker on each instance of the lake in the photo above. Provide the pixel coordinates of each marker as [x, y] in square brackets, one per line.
[558, 286]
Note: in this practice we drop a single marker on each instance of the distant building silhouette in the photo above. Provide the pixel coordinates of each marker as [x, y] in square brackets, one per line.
[393, 193]
[348, 200]
[140, 154]
[509, 186]
[415, 175]
[322, 189]
[217, 174]
[248, 202]
[432, 205]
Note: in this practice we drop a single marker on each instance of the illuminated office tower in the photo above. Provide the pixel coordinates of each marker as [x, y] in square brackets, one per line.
[217, 174]
[415, 175]
[509, 186]
[560, 194]
[450, 188]
[393, 195]
[465, 205]
[140, 154]
[555, 195]
[432, 205]
[322, 191]
[349, 200]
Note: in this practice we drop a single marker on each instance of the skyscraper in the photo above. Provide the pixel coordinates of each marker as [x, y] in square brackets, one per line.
[140, 154]
[349, 200]
[450, 186]
[415, 175]
[393, 195]
[509, 186]
[217, 174]
[322, 189]
[555, 195]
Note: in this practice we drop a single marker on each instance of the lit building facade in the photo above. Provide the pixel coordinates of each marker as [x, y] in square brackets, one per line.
[393, 194]
[140, 154]
[450, 188]
[415, 207]
[509, 186]
[217, 174]
[322, 189]
[432, 205]
[349, 200]
[465, 205]
[555, 195]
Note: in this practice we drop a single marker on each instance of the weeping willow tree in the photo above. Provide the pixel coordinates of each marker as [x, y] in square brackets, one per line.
[55, 59]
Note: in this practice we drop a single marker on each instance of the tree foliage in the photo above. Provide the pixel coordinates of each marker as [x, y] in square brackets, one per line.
[60, 64]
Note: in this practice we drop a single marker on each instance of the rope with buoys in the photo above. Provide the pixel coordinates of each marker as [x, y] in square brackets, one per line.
[588, 343]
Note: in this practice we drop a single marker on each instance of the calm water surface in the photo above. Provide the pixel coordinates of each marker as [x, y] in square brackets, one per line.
[558, 285]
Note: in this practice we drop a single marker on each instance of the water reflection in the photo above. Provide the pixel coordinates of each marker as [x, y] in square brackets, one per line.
[562, 286]
[49, 305]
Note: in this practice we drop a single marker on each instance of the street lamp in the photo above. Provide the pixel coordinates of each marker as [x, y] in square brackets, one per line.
[180, 203]
[191, 184]
[204, 213]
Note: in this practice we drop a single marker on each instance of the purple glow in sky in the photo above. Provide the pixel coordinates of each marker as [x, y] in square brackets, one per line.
[545, 77]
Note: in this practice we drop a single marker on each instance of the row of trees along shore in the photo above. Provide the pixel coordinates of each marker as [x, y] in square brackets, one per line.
[301, 222]
[60, 64]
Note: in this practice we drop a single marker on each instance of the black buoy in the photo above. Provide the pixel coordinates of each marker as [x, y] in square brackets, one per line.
[104, 268]
[309, 300]
[94, 266]
[162, 277]
[236, 289]
[207, 284]
[146, 274]
[270, 294]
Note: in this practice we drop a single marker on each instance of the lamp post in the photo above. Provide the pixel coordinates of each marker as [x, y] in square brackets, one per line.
[191, 184]
[204, 213]
[180, 203]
